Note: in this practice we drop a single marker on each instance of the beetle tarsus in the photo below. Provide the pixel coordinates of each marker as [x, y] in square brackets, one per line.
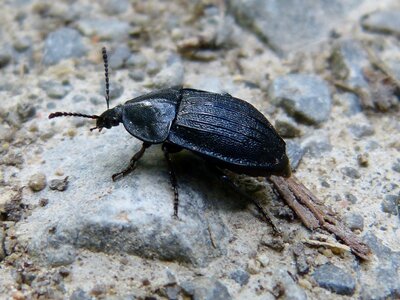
[132, 165]
[173, 180]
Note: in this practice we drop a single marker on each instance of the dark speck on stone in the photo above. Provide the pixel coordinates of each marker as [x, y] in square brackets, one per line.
[350, 172]
[62, 44]
[335, 279]
[390, 204]
[240, 276]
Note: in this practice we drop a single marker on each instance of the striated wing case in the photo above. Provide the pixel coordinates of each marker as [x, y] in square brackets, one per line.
[229, 131]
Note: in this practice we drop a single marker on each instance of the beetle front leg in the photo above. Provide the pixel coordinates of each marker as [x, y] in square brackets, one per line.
[172, 178]
[132, 164]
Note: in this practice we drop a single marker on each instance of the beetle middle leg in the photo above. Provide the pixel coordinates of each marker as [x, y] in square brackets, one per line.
[167, 149]
[265, 213]
[132, 164]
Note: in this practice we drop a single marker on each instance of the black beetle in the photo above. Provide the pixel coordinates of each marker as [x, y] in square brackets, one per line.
[226, 131]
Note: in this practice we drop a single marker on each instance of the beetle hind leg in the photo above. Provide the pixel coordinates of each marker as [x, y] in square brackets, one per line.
[132, 165]
[174, 183]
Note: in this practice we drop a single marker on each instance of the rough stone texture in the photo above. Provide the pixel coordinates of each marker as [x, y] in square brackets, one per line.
[117, 240]
[355, 221]
[240, 276]
[306, 97]
[335, 279]
[385, 271]
[289, 25]
[105, 29]
[206, 289]
[348, 61]
[387, 21]
[62, 44]
[135, 218]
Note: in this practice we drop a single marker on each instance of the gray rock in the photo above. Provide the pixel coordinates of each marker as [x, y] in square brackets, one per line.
[292, 290]
[55, 89]
[115, 7]
[350, 102]
[37, 182]
[205, 289]
[287, 127]
[116, 90]
[351, 198]
[240, 276]
[137, 75]
[350, 172]
[383, 21]
[25, 111]
[335, 279]
[316, 145]
[295, 153]
[382, 280]
[80, 294]
[2, 239]
[171, 75]
[289, 25]
[134, 217]
[361, 130]
[59, 184]
[5, 57]
[62, 44]
[355, 221]
[306, 97]
[396, 167]
[301, 259]
[390, 204]
[348, 61]
[104, 29]
[119, 56]
[136, 60]
[22, 43]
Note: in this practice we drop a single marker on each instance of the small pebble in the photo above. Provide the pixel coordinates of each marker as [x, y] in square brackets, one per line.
[351, 198]
[240, 276]
[363, 160]
[62, 44]
[253, 266]
[354, 221]
[390, 204]
[37, 182]
[263, 259]
[333, 278]
[59, 184]
[5, 57]
[43, 202]
[25, 111]
[287, 127]
[350, 172]
[396, 167]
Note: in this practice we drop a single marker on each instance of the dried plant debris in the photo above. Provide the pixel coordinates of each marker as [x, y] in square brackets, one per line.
[314, 215]
[382, 90]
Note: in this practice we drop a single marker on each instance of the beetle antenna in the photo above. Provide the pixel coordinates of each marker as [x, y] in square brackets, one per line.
[105, 60]
[69, 114]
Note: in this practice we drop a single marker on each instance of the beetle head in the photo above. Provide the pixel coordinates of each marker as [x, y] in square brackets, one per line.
[109, 118]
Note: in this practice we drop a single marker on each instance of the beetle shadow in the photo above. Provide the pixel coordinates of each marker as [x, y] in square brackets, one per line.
[195, 174]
